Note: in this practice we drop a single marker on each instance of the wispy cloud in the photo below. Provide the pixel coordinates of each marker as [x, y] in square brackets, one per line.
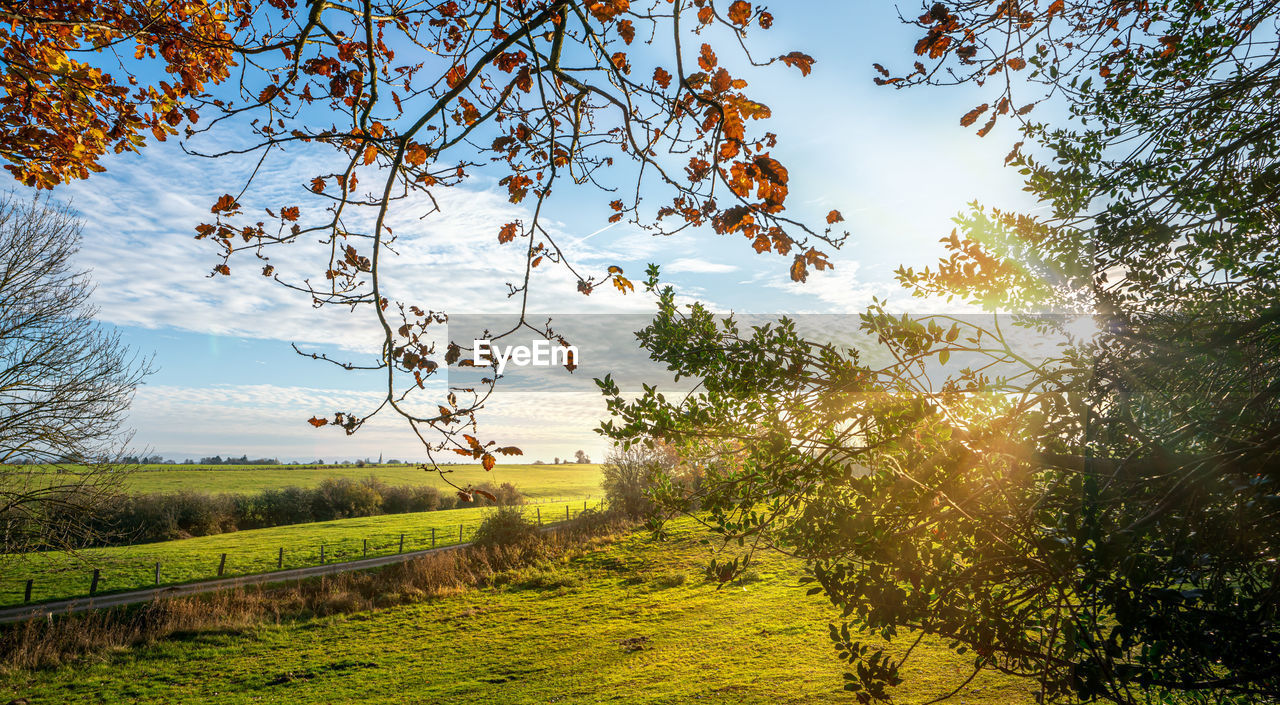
[271, 421]
[698, 266]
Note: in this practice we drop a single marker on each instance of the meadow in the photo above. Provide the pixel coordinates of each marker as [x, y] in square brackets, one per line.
[67, 575]
[568, 481]
[631, 621]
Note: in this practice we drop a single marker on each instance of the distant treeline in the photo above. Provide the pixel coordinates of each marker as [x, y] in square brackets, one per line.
[145, 518]
[242, 460]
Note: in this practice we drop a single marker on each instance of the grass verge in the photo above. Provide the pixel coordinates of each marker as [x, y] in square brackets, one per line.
[63, 575]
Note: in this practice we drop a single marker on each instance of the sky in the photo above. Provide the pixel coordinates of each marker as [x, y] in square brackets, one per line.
[897, 164]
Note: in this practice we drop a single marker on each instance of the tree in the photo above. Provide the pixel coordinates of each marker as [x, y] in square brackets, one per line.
[402, 102]
[65, 384]
[62, 110]
[633, 474]
[580, 457]
[1103, 519]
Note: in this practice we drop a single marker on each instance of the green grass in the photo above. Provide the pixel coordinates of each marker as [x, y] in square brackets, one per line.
[60, 575]
[615, 625]
[535, 481]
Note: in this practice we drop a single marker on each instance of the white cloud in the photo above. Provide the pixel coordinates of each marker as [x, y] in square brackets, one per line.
[698, 266]
[150, 272]
[271, 421]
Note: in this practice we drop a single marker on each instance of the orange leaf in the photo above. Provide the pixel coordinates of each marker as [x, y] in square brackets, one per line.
[661, 77]
[370, 154]
[225, 203]
[488, 461]
[487, 495]
[834, 217]
[289, 212]
[507, 233]
[627, 31]
[707, 58]
[317, 421]
[799, 60]
[972, 116]
[416, 154]
[455, 75]
[798, 271]
[740, 12]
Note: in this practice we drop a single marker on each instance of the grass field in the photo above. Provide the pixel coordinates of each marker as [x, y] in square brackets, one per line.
[59, 575]
[632, 622]
[570, 481]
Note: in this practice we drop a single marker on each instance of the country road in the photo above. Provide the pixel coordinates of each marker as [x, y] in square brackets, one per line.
[82, 604]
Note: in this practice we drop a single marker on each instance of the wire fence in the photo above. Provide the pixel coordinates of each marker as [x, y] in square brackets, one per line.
[83, 579]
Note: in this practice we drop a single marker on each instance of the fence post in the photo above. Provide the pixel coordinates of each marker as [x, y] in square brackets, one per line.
[93, 587]
[157, 573]
[539, 511]
[459, 533]
[401, 544]
[321, 554]
[584, 505]
[433, 537]
[280, 558]
[366, 548]
[27, 595]
[222, 564]
[566, 512]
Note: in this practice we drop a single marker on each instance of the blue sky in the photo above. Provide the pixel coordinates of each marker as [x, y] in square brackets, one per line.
[896, 163]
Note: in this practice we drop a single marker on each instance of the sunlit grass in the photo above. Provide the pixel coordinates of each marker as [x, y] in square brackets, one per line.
[60, 575]
[630, 622]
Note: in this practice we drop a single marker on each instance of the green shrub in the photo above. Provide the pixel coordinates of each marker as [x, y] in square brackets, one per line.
[343, 498]
[508, 527]
[124, 519]
[632, 474]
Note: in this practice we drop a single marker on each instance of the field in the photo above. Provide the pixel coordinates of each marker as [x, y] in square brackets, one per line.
[59, 575]
[630, 622]
[570, 481]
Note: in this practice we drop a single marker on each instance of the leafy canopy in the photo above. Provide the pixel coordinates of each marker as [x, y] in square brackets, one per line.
[1101, 518]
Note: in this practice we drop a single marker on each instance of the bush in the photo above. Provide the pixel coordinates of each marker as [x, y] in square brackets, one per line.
[128, 519]
[506, 493]
[342, 498]
[508, 526]
[403, 499]
[290, 505]
[631, 475]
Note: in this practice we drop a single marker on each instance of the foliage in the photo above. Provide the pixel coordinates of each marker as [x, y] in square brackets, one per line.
[632, 474]
[126, 519]
[510, 527]
[65, 384]
[1102, 518]
[400, 103]
[61, 105]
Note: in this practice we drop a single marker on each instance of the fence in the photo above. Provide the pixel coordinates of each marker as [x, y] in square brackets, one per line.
[84, 581]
